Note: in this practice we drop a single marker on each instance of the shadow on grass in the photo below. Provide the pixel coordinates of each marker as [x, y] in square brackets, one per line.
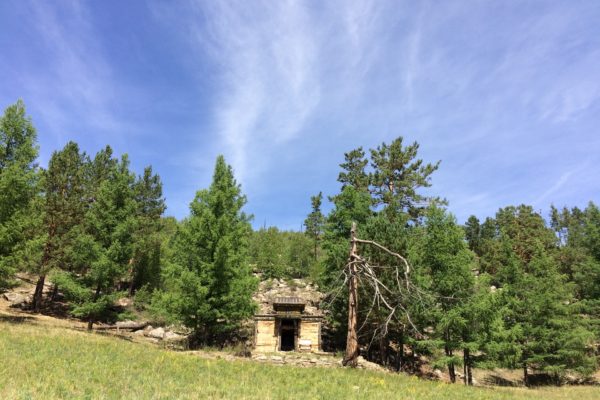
[111, 334]
[497, 380]
[16, 319]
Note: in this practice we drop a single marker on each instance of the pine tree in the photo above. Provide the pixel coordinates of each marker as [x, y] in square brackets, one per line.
[353, 170]
[448, 262]
[269, 252]
[539, 329]
[102, 250]
[315, 221]
[383, 202]
[18, 185]
[397, 176]
[579, 258]
[64, 208]
[149, 208]
[208, 282]
[473, 234]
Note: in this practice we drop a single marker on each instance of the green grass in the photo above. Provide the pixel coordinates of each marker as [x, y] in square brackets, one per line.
[44, 362]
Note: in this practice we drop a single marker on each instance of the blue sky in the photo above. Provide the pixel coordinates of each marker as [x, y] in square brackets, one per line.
[505, 93]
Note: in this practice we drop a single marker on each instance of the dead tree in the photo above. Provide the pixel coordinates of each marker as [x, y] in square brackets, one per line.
[386, 296]
[352, 341]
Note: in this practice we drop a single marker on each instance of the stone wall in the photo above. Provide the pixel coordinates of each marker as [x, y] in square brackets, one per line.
[310, 331]
[265, 336]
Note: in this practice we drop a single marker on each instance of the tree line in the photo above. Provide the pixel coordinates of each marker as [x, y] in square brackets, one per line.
[513, 291]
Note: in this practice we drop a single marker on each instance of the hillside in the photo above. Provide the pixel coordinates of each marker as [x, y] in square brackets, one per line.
[43, 359]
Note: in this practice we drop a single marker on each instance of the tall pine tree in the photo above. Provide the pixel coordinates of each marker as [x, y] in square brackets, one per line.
[314, 222]
[209, 284]
[18, 184]
[65, 202]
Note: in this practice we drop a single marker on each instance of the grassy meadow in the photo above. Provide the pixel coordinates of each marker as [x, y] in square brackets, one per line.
[46, 362]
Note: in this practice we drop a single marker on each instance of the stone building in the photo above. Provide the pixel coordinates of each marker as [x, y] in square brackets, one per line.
[289, 318]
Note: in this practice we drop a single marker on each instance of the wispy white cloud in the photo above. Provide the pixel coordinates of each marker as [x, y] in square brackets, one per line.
[559, 184]
[275, 62]
[75, 86]
[506, 95]
[268, 79]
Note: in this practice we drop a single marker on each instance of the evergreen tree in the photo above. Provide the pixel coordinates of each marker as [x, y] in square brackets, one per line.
[301, 262]
[398, 175]
[473, 234]
[314, 222]
[102, 251]
[353, 170]
[539, 329]
[64, 208]
[382, 202]
[282, 254]
[448, 262]
[579, 258]
[18, 185]
[149, 208]
[268, 251]
[208, 283]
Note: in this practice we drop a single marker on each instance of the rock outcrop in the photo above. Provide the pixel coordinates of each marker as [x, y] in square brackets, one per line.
[270, 289]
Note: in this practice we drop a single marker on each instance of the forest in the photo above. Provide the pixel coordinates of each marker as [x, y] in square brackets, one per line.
[517, 290]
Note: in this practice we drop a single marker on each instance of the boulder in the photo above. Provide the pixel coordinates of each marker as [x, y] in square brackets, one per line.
[15, 299]
[124, 302]
[131, 324]
[173, 337]
[438, 374]
[158, 333]
[362, 363]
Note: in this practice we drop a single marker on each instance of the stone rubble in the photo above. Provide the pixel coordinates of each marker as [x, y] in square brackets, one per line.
[270, 289]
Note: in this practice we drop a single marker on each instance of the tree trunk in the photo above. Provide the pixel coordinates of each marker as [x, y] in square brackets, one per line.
[131, 286]
[37, 295]
[525, 375]
[400, 354]
[91, 317]
[383, 350]
[467, 367]
[132, 283]
[54, 292]
[451, 370]
[352, 341]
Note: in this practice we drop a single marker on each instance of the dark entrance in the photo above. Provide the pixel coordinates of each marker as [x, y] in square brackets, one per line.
[288, 335]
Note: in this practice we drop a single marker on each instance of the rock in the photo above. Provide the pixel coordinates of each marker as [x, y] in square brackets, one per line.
[15, 299]
[158, 333]
[173, 337]
[130, 324]
[124, 302]
[438, 374]
[362, 363]
[276, 358]
[139, 332]
[261, 357]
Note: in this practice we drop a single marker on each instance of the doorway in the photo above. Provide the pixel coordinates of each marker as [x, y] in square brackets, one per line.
[288, 335]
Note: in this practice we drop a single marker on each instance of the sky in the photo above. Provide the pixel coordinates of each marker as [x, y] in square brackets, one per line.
[505, 93]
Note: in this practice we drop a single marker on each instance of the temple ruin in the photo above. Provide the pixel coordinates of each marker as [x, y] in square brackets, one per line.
[289, 319]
